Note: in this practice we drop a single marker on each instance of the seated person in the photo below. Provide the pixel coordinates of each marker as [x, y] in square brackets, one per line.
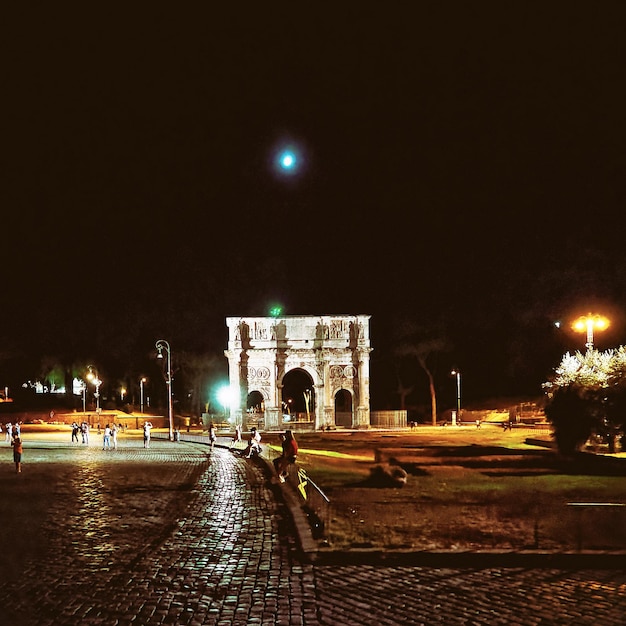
[254, 443]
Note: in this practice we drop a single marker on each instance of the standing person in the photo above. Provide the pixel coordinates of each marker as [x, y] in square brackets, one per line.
[114, 436]
[236, 436]
[84, 430]
[146, 434]
[17, 453]
[9, 434]
[212, 435]
[106, 438]
[75, 429]
[290, 452]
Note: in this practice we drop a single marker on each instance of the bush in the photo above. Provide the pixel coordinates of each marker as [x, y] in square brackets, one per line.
[572, 412]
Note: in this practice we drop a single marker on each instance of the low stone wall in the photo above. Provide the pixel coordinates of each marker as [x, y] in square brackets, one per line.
[132, 421]
[484, 416]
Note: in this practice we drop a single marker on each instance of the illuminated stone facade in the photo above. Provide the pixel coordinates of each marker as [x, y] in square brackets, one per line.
[333, 350]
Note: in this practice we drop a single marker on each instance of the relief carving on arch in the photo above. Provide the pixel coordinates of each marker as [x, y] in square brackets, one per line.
[336, 371]
[259, 375]
[338, 329]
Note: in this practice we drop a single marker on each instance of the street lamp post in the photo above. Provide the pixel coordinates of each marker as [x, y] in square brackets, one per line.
[457, 374]
[95, 379]
[589, 323]
[141, 382]
[162, 345]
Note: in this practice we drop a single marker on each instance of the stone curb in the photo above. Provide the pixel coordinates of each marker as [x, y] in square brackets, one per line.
[475, 559]
[286, 492]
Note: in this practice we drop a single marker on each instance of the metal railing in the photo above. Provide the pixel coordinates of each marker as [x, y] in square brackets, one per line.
[593, 515]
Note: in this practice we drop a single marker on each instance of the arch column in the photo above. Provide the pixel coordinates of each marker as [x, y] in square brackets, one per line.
[272, 418]
[234, 382]
[362, 413]
[320, 405]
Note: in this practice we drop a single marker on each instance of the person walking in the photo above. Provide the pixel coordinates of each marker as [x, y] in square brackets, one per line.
[17, 453]
[236, 436]
[114, 436]
[147, 426]
[288, 456]
[212, 434]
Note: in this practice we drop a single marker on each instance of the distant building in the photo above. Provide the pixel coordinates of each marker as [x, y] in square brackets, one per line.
[329, 355]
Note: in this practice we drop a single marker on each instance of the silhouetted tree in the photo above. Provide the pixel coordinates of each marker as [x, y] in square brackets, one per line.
[198, 370]
[424, 345]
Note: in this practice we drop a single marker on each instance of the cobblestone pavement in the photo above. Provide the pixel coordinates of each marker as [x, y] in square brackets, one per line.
[180, 534]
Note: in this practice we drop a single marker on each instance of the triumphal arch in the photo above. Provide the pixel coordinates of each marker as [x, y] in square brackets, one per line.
[331, 352]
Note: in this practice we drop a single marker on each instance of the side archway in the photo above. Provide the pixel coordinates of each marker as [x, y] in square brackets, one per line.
[343, 408]
[255, 402]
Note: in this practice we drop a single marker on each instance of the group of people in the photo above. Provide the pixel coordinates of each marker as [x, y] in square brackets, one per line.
[281, 463]
[82, 429]
[109, 434]
[289, 450]
[109, 437]
[10, 430]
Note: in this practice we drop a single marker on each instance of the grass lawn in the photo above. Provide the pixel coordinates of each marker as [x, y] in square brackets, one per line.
[466, 488]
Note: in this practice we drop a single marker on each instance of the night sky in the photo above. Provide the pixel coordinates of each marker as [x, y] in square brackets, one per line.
[460, 172]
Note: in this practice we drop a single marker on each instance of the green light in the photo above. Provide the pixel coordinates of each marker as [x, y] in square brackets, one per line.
[275, 311]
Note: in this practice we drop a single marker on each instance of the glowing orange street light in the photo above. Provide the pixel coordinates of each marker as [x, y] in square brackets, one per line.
[589, 323]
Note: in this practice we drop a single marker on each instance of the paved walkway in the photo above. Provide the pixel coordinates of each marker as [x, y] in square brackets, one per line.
[180, 534]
